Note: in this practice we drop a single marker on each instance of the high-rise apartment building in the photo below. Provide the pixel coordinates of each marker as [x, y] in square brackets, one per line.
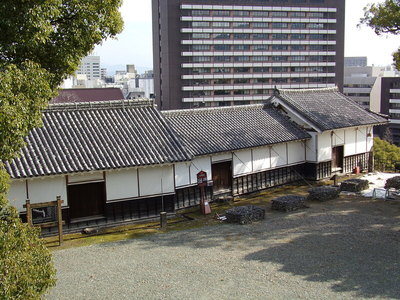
[90, 66]
[220, 52]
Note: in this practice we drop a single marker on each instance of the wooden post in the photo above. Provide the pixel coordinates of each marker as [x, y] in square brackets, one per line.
[59, 220]
[29, 212]
[163, 220]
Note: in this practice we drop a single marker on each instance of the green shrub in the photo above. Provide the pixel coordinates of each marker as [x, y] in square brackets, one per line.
[26, 267]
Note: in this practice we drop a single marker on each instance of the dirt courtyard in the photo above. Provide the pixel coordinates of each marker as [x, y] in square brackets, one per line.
[341, 249]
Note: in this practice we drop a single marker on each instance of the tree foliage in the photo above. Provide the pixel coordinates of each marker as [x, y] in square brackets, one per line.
[384, 18]
[41, 43]
[386, 155]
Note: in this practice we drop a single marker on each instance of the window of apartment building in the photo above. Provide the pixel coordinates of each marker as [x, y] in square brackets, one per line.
[221, 36]
[260, 47]
[241, 80]
[195, 94]
[201, 70]
[260, 69]
[279, 58]
[279, 80]
[279, 25]
[279, 47]
[222, 70]
[241, 58]
[298, 14]
[241, 47]
[241, 92]
[297, 58]
[297, 69]
[222, 47]
[260, 36]
[279, 36]
[298, 47]
[298, 25]
[222, 81]
[241, 70]
[316, 15]
[200, 36]
[199, 82]
[200, 24]
[279, 69]
[262, 92]
[260, 58]
[298, 36]
[315, 36]
[278, 14]
[317, 47]
[221, 13]
[316, 58]
[297, 80]
[261, 80]
[260, 14]
[241, 24]
[221, 92]
[315, 69]
[395, 85]
[201, 58]
[315, 26]
[220, 24]
[241, 13]
[200, 47]
[222, 58]
[200, 12]
[260, 25]
[241, 36]
[299, 1]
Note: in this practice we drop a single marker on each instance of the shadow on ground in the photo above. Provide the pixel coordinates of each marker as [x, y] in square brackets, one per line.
[352, 244]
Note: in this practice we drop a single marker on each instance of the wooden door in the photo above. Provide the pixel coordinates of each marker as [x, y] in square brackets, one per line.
[86, 200]
[222, 176]
[337, 158]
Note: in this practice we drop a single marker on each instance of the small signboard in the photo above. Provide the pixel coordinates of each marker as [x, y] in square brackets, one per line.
[202, 178]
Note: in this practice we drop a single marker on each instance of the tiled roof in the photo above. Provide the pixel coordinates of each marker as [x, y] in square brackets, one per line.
[88, 95]
[214, 130]
[327, 108]
[97, 136]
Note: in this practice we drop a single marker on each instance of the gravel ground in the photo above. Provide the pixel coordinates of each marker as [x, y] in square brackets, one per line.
[341, 249]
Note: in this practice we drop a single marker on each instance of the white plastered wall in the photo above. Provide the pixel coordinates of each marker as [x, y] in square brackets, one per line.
[182, 174]
[40, 190]
[350, 142]
[242, 162]
[370, 138]
[221, 157]
[361, 140]
[85, 177]
[338, 138]
[278, 155]
[156, 180]
[261, 159]
[17, 194]
[200, 164]
[122, 184]
[324, 146]
[311, 147]
[296, 152]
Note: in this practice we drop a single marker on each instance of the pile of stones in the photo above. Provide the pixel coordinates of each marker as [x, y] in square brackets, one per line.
[354, 185]
[288, 203]
[245, 214]
[323, 193]
[393, 183]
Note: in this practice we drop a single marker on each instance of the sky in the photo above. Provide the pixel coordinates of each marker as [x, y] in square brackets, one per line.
[134, 44]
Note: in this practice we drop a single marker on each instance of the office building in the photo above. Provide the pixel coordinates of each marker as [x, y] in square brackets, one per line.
[355, 61]
[90, 66]
[220, 52]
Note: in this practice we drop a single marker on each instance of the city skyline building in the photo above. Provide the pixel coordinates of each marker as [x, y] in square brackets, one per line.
[219, 52]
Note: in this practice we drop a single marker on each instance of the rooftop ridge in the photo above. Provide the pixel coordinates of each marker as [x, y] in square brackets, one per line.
[314, 90]
[118, 103]
[207, 109]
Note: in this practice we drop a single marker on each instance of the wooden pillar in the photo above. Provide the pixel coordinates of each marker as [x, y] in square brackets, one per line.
[59, 220]
[163, 220]
[28, 212]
